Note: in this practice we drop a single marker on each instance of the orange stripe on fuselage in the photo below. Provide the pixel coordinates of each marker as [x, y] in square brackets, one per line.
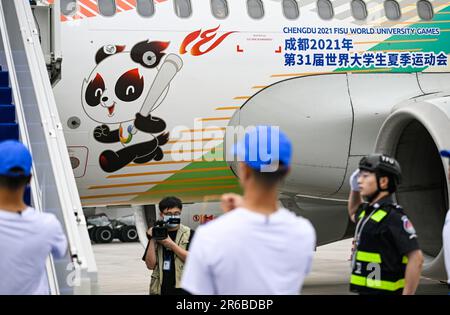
[214, 118]
[171, 172]
[158, 163]
[90, 5]
[85, 12]
[159, 192]
[124, 6]
[173, 181]
[205, 129]
[194, 140]
[228, 107]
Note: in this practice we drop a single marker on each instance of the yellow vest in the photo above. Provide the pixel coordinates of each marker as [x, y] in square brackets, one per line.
[181, 240]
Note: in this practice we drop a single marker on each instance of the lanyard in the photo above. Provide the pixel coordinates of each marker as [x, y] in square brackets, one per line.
[167, 254]
[358, 231]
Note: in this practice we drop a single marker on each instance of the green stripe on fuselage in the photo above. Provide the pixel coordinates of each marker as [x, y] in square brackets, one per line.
[192, 191]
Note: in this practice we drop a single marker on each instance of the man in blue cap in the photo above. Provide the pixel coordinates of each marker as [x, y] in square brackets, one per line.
[26, 237]
[446, 231]
[256, 247]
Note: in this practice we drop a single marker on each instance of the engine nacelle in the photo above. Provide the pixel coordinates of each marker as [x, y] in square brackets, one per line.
[318, 124]
[414, 134]
[334, 119]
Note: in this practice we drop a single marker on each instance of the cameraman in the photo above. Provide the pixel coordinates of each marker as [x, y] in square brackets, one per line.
[166, 257]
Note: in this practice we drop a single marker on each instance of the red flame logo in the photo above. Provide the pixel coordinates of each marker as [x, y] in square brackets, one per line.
[205, 37]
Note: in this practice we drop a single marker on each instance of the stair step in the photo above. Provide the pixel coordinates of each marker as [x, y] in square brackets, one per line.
[5, 95]
[9, 131]
[7, 113]
[4, 79]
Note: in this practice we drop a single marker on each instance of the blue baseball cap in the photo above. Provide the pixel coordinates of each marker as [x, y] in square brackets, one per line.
[445, 153]
[14, 155]
[255, 148]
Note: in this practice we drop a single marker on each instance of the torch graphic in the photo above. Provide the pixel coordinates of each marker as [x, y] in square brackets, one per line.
[172, 64]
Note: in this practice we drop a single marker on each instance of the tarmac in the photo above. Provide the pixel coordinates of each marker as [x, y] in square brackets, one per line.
[121, 271]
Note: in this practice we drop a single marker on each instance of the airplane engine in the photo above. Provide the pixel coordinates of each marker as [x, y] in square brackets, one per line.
[335, 119]
[414, 133]
[316, 113]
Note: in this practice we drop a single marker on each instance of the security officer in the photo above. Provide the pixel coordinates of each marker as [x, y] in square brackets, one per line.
[387, 258]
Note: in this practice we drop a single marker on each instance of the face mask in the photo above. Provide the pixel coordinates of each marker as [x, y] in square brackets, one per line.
[168, 217]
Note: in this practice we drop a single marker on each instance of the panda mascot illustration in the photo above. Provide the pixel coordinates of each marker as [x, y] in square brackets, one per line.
[121, 93]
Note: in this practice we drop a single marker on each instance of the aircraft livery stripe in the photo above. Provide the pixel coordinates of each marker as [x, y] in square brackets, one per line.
[228, 107]
[196, 157]
[123, 5]
[189, 189]
[204, 129]
[90, 5]
[214, 118]
[85, 11]
[157, 163]
[194, 140]
[169, 172]
[189, 180]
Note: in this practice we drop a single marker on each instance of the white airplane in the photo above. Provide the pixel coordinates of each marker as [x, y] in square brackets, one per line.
[147, 88]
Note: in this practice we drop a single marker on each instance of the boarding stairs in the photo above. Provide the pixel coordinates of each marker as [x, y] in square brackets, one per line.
[28, 113]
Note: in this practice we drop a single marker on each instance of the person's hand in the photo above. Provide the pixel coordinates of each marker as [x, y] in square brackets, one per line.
[150, 233]
[167, 243]
[231, 201]
[354, 181]
[101, 131]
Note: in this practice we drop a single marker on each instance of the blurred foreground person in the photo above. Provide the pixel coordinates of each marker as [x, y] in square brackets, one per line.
[256, 247]
[27, 238]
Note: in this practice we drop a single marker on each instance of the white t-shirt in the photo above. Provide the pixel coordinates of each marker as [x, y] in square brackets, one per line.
[446, 244]
[244, 252]
[26, 240]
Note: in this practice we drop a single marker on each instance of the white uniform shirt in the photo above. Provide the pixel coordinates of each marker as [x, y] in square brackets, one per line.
[26, 240]
[244, 252]
[446, 244]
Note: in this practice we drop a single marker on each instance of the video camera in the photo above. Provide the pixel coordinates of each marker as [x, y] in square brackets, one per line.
[160, 231]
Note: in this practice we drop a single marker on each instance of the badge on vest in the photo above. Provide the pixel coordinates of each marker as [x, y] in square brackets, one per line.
[408, 227]
[166, 265]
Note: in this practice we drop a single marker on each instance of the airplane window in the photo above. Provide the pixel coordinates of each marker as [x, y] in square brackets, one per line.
[359, 9]
[290, 9]
[425, 10]
[145, 8]
[325, 9]
[68, 7]
[255, 9]
[183, 8]
[107, 7]
[219, 8]
[392, 10]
